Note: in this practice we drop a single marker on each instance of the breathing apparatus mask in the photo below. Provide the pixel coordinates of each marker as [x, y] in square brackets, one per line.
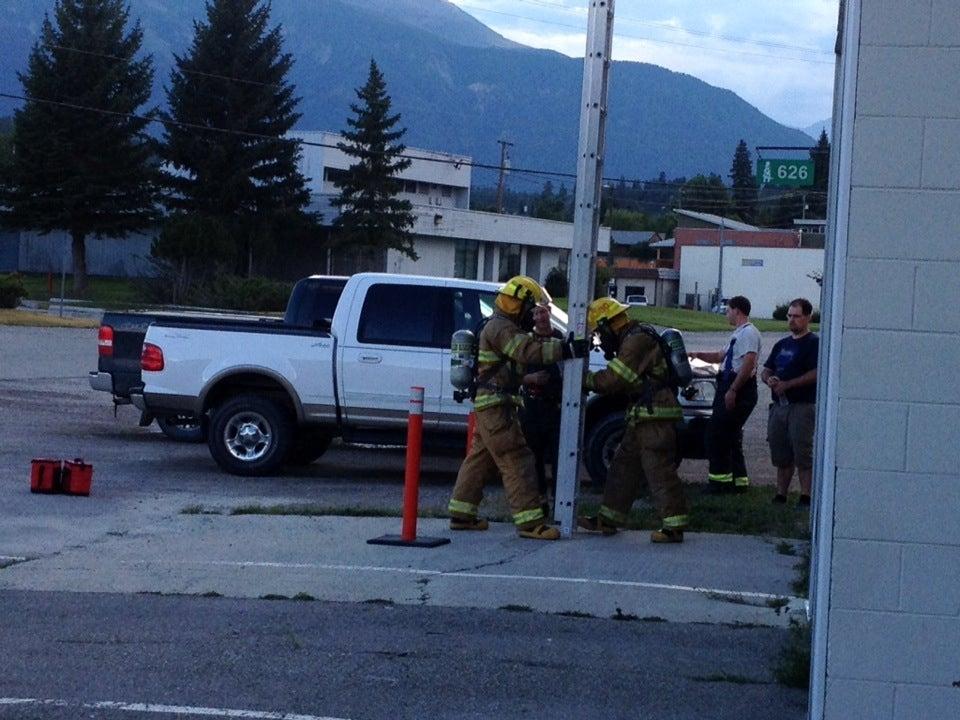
[609, 340]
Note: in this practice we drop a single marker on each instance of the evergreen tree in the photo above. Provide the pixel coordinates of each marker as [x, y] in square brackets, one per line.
[549, 206]
[817, 199]
[230, 106]
[371, 216]
[81, 160]
[704, 193]
[744, 184]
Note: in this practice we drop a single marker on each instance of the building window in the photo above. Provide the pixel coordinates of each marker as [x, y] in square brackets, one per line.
[751, 262]
[466, 253]
[563, 261]
[509, 261]
[334, 175]
[446, 191]
[410, 186]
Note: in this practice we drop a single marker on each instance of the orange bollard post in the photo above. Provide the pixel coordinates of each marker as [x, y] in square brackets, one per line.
[411, 482]
[471, 428]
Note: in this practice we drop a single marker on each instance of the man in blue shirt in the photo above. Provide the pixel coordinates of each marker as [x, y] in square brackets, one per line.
[791, 373]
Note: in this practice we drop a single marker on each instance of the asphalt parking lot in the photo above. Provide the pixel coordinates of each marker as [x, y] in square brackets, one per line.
[124, 580]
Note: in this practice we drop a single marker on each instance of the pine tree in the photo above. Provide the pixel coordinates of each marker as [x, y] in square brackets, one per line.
[371, 216]
[820, 154]
[81, 160]
[230, 107]
[744, 183]
[705, 193]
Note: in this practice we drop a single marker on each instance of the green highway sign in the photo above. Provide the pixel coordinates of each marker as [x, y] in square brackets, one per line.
[785, 173]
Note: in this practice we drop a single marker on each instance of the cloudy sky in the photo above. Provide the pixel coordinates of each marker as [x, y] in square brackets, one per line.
[776, 54]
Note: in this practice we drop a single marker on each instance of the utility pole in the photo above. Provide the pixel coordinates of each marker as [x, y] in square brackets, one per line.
[586, 225]
[504, 157]
[720, 267]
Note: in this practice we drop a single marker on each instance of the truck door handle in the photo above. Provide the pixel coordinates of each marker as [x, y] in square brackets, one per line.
[370, 358]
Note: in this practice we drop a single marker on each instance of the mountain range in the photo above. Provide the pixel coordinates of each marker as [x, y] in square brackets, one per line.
[459, 86]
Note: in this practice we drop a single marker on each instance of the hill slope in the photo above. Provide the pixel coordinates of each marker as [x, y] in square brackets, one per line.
[460, 86]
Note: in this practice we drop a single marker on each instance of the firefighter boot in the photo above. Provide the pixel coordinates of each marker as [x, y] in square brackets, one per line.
[596, 524]
[540, 532]
[666, 535]
[473, 523]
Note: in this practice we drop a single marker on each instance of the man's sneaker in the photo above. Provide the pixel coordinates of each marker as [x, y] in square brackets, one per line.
[595, 524]
[474, 523]
[540, 532]
[666, 535]
[779, 499]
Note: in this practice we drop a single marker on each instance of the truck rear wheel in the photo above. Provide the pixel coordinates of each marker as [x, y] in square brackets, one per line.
[308, 445]
[250, 435]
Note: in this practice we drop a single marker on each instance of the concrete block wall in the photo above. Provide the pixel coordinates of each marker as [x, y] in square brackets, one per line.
[893, 639]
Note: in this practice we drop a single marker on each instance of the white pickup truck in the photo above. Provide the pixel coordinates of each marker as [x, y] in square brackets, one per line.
[270, 395]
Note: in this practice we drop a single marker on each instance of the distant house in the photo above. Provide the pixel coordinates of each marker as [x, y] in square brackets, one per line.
[625, 242]
[630, 276]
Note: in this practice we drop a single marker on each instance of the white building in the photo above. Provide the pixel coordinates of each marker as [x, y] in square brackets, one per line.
[886, 575]
[768, 276]
[450, 239]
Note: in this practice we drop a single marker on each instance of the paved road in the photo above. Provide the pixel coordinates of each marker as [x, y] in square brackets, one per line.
[103, 656]
[434, 644]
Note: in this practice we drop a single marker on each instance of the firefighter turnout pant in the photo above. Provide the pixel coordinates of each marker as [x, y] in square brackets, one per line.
[645, 457]
[499, 450]
[728, 469]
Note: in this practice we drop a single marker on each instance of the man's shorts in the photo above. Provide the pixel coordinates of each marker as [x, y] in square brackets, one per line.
[790, 434]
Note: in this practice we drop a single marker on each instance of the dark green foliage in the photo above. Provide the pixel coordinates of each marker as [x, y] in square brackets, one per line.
[601, 282]
[744, 184]
[793, 666]
[371, 214]
[618, 219]
[82, 162]
[550, 205]
[230, 106]
[705, 193]
[820, 154]
[556, 283]
[11, 290]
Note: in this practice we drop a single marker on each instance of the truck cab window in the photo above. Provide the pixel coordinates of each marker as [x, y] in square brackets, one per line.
[402, 315]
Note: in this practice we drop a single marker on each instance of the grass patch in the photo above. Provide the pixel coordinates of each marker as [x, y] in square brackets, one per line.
[101, 291]
[575, 614]
[793, 665]
[728, 678]
[516, 608]
[378, 601]
[786, 548]
[27, 318]
[211, 594]
[200, 510]
[750, 513]
[801, 584]
[272, 596]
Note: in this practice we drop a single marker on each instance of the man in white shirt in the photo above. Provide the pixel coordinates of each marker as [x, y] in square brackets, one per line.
[735, 399]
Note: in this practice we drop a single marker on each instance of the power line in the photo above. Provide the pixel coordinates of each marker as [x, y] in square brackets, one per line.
[445, 161]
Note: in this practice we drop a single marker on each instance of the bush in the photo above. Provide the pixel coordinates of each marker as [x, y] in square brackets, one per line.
[256, 293]
[11, 290]
[556, 283]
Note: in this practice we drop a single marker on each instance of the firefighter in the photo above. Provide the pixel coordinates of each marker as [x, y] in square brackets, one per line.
[499, 447]
[646, 455]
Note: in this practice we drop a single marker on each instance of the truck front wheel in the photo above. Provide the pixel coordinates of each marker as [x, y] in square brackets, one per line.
[308, 445]
[600, 444]
[250, 435]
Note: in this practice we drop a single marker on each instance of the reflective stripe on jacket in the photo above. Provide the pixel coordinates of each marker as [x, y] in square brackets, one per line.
[638, 361]
[505, 350]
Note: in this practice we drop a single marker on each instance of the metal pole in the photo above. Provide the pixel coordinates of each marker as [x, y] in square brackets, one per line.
[586, 225]
[63, 280]
[720, 269]
[503, 172]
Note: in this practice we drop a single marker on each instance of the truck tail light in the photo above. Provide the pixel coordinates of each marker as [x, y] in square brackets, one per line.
[105, 341]
[151, 358]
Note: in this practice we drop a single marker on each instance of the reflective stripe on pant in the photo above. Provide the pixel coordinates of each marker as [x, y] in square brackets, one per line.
[499, 450]
[645, 458]
[725, 435]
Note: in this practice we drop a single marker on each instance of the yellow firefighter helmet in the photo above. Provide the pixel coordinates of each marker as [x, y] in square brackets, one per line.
[603, 310]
